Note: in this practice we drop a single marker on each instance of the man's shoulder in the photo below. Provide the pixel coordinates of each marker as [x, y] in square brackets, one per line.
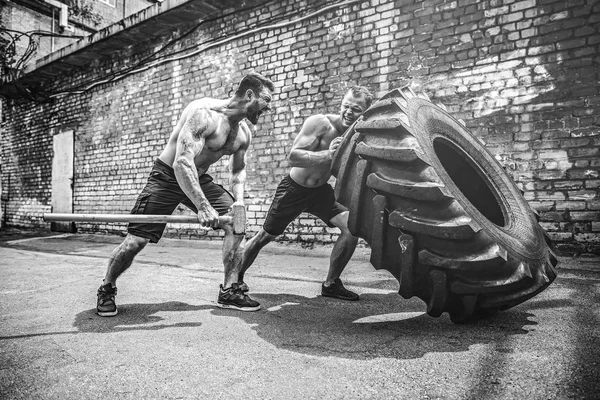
[319, 121]
[243, 127]
[199, 103]
[205, 105]
[318, 118]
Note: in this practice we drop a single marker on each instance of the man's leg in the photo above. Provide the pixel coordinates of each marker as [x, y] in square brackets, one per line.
[232, 256]
[160, 196]
[120, 259]
[230, 293]
[343, 249]
[252, 248]
[288, 203]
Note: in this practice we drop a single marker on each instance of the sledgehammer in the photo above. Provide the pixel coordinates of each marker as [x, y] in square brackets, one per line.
[237, 218]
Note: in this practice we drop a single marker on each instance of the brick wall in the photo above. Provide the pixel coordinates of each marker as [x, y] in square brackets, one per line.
[25, 19]
[522, 74]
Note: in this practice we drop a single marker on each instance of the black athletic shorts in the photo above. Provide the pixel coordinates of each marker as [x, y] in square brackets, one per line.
[291, 199]
[162, 195]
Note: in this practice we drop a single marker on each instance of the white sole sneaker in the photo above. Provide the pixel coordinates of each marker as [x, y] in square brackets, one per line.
[234, 307]
[107, 313]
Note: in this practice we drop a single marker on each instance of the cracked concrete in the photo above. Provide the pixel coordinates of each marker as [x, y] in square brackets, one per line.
[171, 341]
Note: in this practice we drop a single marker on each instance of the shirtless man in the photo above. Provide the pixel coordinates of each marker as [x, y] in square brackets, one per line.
[207, 130]
[305, 189]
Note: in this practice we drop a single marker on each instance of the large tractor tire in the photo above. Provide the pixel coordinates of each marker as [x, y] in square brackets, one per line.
[439, 211]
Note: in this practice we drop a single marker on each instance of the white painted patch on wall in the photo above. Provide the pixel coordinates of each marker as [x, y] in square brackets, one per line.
[31, 209]
[340, 27]
[225, 63]
[493, 101]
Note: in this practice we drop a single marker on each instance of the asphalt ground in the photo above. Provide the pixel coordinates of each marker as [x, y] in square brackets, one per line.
[170, 341]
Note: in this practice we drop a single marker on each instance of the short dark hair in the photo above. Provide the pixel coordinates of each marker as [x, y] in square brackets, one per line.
[254, 81]
[362, 91]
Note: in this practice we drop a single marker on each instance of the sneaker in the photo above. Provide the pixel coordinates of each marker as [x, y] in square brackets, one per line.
[338, 291]
[106, 306]
[234, 298]
[243, 287]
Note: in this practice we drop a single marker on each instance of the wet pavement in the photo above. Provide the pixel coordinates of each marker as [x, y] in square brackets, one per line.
[170, 341]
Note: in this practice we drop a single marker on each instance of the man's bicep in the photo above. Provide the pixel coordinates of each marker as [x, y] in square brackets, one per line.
[193, 133]
[309, 136]
[246, 133]
[311, 133]
[237, 161]
[305, 141]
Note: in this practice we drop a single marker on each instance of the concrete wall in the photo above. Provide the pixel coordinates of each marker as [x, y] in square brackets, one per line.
[523, 75]
[122, 9]
[24, 18]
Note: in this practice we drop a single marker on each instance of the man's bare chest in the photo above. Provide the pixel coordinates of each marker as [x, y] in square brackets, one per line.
[225, 141]
[326, 138]
[216, 146]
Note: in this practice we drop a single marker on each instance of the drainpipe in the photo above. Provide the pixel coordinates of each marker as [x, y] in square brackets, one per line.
[52, 30]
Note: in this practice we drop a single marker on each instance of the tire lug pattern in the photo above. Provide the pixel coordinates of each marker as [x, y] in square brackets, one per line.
[438, 210]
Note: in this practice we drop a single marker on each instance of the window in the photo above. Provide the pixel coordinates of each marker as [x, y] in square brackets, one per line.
[111, 3]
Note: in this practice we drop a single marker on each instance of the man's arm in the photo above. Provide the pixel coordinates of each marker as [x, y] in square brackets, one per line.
[305, 153]
[237, 166]
[190, 143]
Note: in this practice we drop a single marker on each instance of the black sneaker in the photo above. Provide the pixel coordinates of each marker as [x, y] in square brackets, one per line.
[338, 291]
[106, 306]
[234, 298]
[243, 287]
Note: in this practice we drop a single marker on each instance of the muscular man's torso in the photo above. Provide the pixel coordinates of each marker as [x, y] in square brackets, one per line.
[221, 137]
[318, 175]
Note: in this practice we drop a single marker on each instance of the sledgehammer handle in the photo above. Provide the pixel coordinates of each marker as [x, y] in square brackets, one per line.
[135, 218]
[237, 220]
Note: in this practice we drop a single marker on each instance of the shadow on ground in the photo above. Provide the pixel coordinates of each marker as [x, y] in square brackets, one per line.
[133, 317]
[379, 325]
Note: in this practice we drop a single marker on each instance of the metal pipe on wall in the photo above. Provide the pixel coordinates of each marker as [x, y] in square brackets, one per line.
[52, 30]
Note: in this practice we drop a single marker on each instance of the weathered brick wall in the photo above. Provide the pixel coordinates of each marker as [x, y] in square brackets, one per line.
[522, 74]
[24, 19]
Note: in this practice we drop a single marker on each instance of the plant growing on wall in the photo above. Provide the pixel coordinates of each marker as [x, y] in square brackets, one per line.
[83, 10]
[11, 63]
[7, 56]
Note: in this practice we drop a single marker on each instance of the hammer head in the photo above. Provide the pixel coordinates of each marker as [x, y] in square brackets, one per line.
[238, 219]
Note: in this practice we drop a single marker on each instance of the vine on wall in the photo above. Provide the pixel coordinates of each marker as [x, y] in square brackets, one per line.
[12, 63]
[83, 11]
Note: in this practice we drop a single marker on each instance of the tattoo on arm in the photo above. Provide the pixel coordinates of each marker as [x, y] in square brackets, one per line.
[189, 144]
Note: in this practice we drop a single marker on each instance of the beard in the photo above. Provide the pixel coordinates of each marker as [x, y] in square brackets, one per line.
[254, 115]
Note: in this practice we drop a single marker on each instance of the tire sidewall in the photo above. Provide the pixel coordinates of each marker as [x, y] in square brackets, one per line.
[521, 233]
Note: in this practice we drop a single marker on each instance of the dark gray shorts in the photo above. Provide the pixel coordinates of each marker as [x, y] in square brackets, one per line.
[162, 195]
[292, 199]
